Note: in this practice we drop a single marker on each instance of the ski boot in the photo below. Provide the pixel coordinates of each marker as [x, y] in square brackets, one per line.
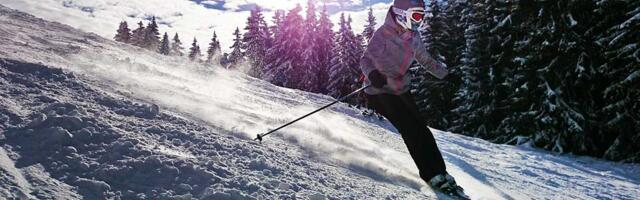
[446, 184]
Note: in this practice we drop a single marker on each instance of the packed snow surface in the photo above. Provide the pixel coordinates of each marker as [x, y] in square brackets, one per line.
[121, 122]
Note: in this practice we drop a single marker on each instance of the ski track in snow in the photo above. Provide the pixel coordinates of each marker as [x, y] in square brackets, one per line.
[337, 153]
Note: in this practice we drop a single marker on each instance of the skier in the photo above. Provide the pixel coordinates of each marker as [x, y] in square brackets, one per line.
[391, 50]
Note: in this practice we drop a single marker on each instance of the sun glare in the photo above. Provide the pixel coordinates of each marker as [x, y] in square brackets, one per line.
[284, 4]
[281, 4]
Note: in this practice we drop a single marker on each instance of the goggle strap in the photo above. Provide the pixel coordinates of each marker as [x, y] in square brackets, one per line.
[399, 11]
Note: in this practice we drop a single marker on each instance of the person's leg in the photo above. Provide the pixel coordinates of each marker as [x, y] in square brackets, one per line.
[416, 135]
[422, 140]
[384, 104]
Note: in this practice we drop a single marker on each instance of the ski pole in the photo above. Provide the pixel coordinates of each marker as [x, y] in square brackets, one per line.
[260, 136]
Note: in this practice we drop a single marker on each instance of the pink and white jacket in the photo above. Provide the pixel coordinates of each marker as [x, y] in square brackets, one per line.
[391, 51]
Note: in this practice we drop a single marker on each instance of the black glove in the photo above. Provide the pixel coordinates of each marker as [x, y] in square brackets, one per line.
[377, 79]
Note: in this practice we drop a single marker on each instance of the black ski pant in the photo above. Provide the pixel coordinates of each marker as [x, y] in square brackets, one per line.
[402, 112]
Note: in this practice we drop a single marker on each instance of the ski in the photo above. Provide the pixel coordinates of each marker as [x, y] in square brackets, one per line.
[458, 194]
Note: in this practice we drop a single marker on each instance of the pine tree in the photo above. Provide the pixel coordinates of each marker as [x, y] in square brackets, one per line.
[214, 50]
[277, 20]
[194, 52]
[344, 70]
[621, 109]
[356, 46]
[324, 45]
[502, 50]
[558, 75]
[284, 57]
[370, 27]
[475, 68]
[310, 21]
[165, 48]
[124, 34]
[359, 44]
[137, 35]
[236, 56]
[257, 40]
[270, 73]
[434, 97]
[151, 39]
[515, 56]
[437, 29]
[527, 84]
[355, 52]
[176, 46]
[498, 64]
[563, 83]
[310, 68]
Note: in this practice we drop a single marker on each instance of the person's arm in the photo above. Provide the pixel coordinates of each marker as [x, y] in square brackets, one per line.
[437, 69]
[366, 64]
[372, 65]
[368, 68]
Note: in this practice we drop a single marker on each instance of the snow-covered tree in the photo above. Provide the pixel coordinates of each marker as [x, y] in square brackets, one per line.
[257, 40]
[370, 26]
[356, 51]
[151, 39]
[310, 68]
[435, 97]
[277, 20]
[165, 47]
[124, 33]
[355, 46]
[236, 56]
[621, 109]
[324, 47]
[137, 35]
[560, 73]
[284, 57]
[176, 46]
[502, 49]
[344, 70]
[268, 73]
[359, 43]
[194, 52]
[214, 51]
[310, 21]
[475, 68]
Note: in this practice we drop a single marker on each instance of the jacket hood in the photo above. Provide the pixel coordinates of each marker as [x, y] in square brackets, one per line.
[390, 22]
[406, 4]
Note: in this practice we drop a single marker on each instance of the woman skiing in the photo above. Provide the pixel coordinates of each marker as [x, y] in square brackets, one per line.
[385, 63]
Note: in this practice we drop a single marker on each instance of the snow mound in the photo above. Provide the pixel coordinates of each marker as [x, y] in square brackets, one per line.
[84, 117]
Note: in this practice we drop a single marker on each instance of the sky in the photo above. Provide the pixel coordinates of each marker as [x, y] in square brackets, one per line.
[189, 18]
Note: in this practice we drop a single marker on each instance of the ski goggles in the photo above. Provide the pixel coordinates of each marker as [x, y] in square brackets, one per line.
[411, 19]
[416, 14]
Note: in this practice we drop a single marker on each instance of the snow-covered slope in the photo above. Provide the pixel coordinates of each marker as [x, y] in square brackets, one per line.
[118, 121]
